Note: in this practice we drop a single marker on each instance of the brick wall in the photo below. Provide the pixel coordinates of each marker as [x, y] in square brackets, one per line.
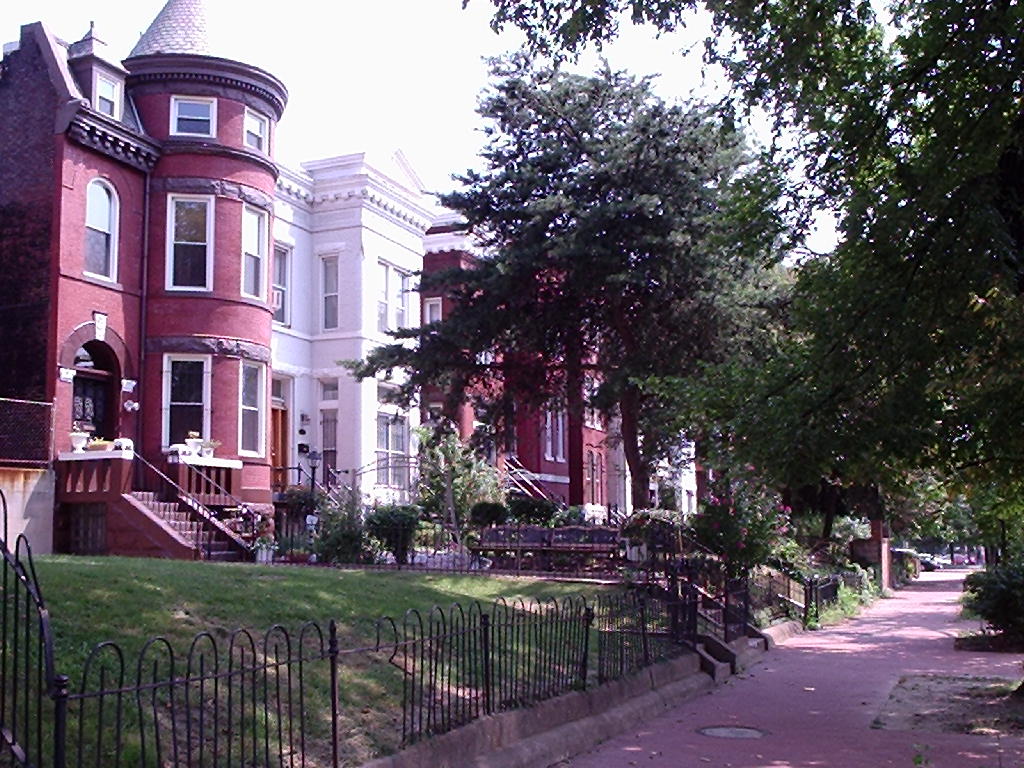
[28, 106]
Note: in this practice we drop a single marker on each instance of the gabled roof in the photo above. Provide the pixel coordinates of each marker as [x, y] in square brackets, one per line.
[180, 27]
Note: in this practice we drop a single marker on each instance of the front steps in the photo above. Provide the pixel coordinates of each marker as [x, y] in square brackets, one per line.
[196, 534]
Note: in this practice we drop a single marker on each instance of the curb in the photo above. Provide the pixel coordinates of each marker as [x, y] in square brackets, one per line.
[780, 633]
[558, 728]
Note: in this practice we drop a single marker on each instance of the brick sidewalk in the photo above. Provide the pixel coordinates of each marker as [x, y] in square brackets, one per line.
[815, 698]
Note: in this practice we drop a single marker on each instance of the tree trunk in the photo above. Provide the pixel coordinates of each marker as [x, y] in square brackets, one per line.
[574, 431]
[640, 473]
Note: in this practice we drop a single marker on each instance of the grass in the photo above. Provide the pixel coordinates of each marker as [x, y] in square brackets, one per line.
[129, 601]
[848, 604]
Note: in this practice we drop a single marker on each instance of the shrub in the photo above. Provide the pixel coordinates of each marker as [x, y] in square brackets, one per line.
[997, 596]
[569, 516]
[342, 536]
[394, 527]
[530, 511]
[485, 513]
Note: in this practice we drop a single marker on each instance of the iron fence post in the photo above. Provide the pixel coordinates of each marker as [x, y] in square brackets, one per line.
[60, 720]
[333, 653]
[485, 653]
[808, 596]
[643, 632]
[588, 622]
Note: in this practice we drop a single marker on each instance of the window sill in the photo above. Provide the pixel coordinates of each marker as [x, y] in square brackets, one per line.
[101, 281]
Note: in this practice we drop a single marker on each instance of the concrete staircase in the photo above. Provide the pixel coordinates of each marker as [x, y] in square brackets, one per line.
[196, 533]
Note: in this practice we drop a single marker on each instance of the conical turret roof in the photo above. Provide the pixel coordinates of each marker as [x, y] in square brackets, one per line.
[180, 27]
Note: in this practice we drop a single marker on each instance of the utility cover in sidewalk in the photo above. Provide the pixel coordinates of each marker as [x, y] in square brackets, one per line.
[731, 732]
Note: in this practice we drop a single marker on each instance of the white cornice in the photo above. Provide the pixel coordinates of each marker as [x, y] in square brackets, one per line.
[294, 186]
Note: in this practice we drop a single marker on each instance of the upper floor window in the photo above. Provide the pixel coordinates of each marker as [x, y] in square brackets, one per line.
[107, 97]
[554, 435]
[279, 287]
[256, 131]
[193, 116]
[254, 251]
[190, 236]
[329, 286]
[101, 230]
[392, 298]
[431, 311]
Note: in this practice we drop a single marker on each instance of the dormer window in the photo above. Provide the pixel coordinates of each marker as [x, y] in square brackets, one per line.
[256, 130]
[193, 116]
[106, 97]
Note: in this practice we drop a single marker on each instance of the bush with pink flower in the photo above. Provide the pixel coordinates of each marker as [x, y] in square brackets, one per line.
[744, 525]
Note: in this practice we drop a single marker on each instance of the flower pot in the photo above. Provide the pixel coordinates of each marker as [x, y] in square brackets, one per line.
[264, 556]
[195, 445]
[79, 441]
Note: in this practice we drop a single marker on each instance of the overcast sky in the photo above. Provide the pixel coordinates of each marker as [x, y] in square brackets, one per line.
[363, 75]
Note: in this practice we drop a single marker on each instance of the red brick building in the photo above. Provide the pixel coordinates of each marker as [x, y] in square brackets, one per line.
[550, 455]
[136, 204]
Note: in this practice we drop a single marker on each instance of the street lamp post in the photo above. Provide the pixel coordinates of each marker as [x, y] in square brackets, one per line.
[313, 457]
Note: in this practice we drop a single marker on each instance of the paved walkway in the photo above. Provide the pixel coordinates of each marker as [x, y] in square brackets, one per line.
[815, 697]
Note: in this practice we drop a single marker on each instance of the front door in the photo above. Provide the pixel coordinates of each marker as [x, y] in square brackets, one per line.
[279, 445]
[91, 407]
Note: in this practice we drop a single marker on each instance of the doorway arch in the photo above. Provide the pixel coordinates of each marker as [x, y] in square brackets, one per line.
[96, 390]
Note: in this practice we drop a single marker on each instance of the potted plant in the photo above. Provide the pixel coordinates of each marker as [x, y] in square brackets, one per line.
[208, 447]
[194, 441]
[264, 547]
[79, 440]
[99, 444]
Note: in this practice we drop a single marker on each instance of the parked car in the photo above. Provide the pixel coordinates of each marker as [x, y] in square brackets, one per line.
[929, 563]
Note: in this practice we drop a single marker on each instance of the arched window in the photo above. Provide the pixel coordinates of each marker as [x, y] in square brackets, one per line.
[101, 230]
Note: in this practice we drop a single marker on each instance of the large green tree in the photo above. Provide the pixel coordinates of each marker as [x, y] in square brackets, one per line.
[910, 125]
[610, 223]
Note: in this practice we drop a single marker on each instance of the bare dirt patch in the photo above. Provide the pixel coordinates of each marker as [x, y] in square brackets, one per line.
[937, 703]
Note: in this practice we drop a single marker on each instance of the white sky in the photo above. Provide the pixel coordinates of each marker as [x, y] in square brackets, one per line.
[370, 75]
[363, 75]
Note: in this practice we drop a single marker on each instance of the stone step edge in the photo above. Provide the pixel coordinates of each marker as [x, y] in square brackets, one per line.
[525, 738]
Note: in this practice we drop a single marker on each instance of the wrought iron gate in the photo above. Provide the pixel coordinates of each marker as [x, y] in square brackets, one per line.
[33, 699]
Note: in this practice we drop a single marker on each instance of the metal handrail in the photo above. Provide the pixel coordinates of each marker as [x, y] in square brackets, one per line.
[199, 508]
[522, 478]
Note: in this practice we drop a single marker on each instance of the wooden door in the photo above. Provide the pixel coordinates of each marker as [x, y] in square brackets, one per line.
[278, 446]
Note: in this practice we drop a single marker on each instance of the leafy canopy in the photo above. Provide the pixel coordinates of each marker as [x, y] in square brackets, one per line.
[611, 221]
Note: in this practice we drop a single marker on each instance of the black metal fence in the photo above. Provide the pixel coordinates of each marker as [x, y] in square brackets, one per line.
[241, 699]
[636, 630]
[26, 432]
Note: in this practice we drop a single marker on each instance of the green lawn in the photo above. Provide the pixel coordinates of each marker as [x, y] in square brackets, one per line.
[130, 600]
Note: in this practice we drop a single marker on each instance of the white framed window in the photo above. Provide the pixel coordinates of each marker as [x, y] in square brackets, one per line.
[257, 131]
[101, 227]
[383, 273]
[392, 450]
[193, 116]
[328, 389]
[254, 251]
[251, 424]
[106, 96]
[189, 243]
[186, 397]
[329, 291]
[279, 284]
[329, 440]
[393, 287]
[401, 282]
[431, 311]
[554, 435]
